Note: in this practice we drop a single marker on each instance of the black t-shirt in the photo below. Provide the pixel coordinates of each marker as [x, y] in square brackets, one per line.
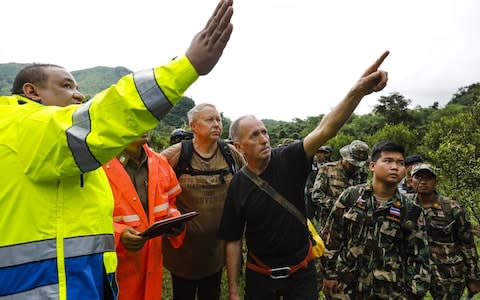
[272, 233]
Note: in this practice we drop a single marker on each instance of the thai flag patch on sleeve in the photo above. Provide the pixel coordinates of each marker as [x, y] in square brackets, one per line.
[395, 211]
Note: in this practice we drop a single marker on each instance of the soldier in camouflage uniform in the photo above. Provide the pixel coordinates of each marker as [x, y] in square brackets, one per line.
[333, 178]
[321, 157]
[405, 186]
[452, 248]
[372, 253]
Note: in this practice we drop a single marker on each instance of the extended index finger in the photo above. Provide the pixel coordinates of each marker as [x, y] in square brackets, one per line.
[376, 64]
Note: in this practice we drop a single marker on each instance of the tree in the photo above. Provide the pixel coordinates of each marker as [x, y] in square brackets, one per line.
[363, 126]
[394, 108]
[398, 133]
[226, 122]
[453, 146]
[177, 117]
[468, 95]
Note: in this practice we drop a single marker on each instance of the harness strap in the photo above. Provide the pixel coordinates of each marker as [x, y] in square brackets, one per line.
[281, 272]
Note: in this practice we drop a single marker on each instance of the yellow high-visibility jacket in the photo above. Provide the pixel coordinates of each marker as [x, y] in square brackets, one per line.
[56, 226]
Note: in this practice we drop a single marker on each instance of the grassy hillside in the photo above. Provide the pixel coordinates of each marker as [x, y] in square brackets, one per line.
[7, 74]
[93, 80]
[90, 81]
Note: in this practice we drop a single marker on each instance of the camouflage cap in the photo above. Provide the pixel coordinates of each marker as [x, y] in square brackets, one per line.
[325, 149]
[424, 167]
[357, 153]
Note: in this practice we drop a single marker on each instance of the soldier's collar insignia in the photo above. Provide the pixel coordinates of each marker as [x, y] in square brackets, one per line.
[437, 205]
[397, 203]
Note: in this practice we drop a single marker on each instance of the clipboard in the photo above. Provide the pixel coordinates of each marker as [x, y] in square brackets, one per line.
[165, 225]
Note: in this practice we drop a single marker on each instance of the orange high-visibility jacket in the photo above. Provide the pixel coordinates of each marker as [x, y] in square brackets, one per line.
[139, 274]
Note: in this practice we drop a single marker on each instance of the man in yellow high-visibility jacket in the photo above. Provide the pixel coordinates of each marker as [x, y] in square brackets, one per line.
[55, 201]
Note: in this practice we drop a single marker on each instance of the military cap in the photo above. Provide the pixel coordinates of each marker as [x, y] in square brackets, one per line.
[325, 149]
[412, 159]
[357, 153]
[424, 167]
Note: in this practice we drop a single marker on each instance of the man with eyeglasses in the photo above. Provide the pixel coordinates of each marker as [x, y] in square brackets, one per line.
[452, 248]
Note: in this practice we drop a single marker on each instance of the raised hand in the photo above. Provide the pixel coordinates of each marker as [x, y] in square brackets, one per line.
[207, 46]
[372, 80]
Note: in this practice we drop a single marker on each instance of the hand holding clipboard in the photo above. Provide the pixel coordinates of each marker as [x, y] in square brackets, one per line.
[166, 225]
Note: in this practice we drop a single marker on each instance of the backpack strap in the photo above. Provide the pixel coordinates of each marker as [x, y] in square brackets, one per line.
[227, 154]
[184, 166]
[186, 153]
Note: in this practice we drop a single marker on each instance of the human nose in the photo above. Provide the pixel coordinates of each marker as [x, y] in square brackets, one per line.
[264, 138]
[78, 97]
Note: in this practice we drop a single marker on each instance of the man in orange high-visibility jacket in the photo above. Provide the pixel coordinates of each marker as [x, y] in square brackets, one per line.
[145, 189]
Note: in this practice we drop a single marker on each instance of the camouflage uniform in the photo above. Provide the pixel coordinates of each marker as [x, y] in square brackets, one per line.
[452, 249]
[330, 182]
[311, 180]
[370, 255]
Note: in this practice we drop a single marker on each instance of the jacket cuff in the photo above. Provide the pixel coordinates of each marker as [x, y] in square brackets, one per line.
[175, 77]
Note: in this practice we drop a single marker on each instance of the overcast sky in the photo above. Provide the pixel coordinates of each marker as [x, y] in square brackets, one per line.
[286, 58]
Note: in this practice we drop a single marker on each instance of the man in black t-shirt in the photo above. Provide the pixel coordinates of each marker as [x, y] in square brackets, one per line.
[279, 262]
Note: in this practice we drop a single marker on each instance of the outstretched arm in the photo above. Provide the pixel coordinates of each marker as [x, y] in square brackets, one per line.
[91, 136]
[372, 80]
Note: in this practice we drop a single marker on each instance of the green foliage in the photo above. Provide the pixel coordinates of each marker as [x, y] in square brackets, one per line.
[338, 142]
[90, 81]
[467, 96]
[279, 130]
[398, 133]
[176, 118]
[394, 108]
[363, 126]
[7, 75]
[94, 80]
[226, 122]
[453, 146]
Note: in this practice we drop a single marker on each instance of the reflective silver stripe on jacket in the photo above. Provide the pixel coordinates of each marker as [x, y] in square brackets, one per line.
[151, 94]
[41, 250]
[28, 252]
[86, 245]
[77, 139]
[160, 207]
[44, 292]
[174, 190]
[126, 219]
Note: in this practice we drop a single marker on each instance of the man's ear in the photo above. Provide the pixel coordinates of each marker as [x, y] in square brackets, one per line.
[30, 91]
[238, 147]
[371, 165]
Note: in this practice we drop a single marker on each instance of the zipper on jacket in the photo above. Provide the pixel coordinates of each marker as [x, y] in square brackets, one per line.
[81, 180]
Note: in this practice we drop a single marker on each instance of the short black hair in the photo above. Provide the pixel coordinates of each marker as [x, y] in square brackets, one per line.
[34, 73]
[387, 146]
